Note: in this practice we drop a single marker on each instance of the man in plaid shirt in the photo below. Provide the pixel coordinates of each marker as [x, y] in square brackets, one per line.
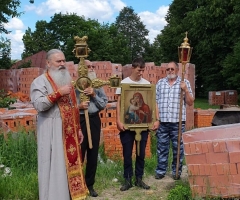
[168, 92]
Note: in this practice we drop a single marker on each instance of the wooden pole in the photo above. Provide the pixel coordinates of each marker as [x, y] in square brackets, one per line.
[88, 128]
[180, 123]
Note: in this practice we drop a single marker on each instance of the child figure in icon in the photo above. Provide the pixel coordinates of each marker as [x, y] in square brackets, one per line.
[131, 115]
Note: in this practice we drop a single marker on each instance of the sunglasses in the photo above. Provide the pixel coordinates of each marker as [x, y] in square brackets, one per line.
[172, 69]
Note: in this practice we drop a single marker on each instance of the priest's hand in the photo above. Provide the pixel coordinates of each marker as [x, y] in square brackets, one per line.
[66, 89]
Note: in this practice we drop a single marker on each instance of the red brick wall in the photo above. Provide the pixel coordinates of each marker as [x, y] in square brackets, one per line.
[212, 157]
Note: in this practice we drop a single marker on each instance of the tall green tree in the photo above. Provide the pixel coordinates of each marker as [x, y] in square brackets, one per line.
[8, 9]
[5, 53]
[129, 24]
[209, 33]
[231, 67]
[231, 63]
[40, 39]
[103, 39]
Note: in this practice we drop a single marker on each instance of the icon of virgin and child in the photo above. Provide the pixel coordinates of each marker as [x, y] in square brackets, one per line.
[138, 111]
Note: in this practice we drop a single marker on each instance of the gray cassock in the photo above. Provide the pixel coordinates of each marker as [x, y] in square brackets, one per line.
[52, 175]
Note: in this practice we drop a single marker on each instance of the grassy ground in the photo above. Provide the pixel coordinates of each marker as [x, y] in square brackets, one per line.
[203, 104]
[20, 154]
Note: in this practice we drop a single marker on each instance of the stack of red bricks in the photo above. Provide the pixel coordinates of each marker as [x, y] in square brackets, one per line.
[212, 157]
[231, 97]
[26, 77]
[7, 80]
[203, 118]
[223, 97]
[19, 119]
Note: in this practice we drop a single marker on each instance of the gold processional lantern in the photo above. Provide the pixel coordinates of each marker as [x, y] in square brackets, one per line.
[185, 51]
[184, 55]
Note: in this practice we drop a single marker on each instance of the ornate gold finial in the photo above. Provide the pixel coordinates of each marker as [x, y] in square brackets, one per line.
[82, 40]
[81, 49]
[185, 44]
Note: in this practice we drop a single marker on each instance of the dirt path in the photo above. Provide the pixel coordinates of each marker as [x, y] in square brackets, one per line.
[159, 190]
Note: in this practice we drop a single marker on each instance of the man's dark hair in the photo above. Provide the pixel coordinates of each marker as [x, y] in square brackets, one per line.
[138, 62]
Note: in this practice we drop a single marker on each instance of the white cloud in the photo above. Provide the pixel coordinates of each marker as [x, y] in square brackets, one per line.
[16, 43]
[101, 10]
[30, 7]
[118, 4]
[154, 22]
[95, 9]
[14, 23]
[16, 27]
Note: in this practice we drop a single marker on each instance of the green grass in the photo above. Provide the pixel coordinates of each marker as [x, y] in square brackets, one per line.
[19, 153]
[203, 104]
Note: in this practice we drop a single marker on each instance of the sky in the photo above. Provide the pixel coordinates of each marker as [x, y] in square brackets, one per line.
[151, 12]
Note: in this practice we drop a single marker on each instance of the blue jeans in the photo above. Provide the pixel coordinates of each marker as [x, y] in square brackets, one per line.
[168, 131]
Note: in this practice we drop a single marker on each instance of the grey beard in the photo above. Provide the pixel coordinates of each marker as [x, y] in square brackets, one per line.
[171, 76]
[92, 75]
[60, 77]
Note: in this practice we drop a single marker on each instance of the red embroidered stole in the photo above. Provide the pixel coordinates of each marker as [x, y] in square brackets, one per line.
[70, 126]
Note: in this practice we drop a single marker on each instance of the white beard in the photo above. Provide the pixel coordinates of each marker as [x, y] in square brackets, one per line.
[60, 76]
[92, 75]
[171, 76]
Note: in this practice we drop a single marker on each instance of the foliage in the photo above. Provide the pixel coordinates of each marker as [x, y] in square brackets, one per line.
[231, 68]
[19, 153]
[5, 53]
[202, 103]
[213, 31]
[25, 64]
[129, 24]
[38, 40]
[180, 192]
[5, 99]
[103, 39]
[8, 9]
[21, 185]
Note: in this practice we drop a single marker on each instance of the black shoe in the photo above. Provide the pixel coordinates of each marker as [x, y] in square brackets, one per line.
[127, 184]
[159, 176]
[176, 177]
[140, 183]
[92, 192]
